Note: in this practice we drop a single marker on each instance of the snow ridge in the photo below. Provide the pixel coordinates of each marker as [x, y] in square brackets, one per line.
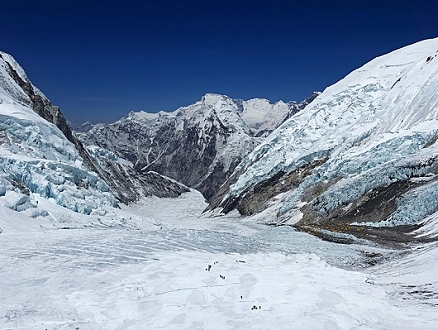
[373, 129]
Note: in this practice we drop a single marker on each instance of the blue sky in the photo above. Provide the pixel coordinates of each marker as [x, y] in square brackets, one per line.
[98, 60]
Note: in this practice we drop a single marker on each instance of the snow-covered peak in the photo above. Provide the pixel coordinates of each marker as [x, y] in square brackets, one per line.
[374, 130]
[14, 64]
[257, 115]
[148, 116]
[212, 99]
[262, 115]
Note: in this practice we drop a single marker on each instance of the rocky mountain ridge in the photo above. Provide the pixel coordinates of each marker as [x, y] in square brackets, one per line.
[198, 145]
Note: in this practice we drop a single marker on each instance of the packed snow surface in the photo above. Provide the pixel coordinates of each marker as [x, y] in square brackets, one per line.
[159, 264]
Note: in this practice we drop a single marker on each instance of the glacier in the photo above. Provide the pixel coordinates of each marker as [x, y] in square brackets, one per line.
[37, 158]
[72, 260]
[373, 130]
[146, 265]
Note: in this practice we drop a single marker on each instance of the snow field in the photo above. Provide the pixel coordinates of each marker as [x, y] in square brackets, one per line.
[127, 271]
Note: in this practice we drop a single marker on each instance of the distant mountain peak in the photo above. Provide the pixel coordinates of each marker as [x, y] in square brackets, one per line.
[211, 98]
[199, 144]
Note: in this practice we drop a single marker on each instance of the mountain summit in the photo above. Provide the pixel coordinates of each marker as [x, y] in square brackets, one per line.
[198, 145]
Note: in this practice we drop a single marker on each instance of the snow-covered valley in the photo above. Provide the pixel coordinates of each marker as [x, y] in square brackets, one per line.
[146, 267]
[86, 245]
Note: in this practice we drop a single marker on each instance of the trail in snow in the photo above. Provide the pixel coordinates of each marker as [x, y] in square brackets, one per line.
[154, 274]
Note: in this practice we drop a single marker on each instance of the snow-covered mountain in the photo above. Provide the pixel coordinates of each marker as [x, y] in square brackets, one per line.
[362, 154]
[35, 155]
[198, 145]
[40, 156]
[161, 263]
[84, 127]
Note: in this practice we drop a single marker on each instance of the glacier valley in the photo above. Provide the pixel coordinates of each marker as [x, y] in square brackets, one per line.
[93, 238]
[161, 264]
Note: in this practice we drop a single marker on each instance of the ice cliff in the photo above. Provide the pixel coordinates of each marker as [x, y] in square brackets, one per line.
[39, 155]
[35, 155]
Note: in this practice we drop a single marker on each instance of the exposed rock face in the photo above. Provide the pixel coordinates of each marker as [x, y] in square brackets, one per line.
[360, 159]
[40, 104]
[129, 185]
[125, 182]
[199, 145]
[256, 199]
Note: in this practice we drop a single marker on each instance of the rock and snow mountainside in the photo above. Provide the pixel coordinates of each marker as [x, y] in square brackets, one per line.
[35, 155]
[198, 145]
[159, 263]
[39, 155]
[363, 153]
[82, 128]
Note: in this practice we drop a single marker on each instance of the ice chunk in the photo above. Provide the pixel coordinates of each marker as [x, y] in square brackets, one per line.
[17, 201]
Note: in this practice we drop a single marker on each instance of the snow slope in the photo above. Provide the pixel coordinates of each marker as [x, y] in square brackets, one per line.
[37, 159]
[370, 138]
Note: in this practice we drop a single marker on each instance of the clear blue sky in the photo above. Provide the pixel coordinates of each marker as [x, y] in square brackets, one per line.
[98, 60]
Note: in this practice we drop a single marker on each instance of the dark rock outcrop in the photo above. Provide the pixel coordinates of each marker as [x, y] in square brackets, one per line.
[126, 183]
[256, 199]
